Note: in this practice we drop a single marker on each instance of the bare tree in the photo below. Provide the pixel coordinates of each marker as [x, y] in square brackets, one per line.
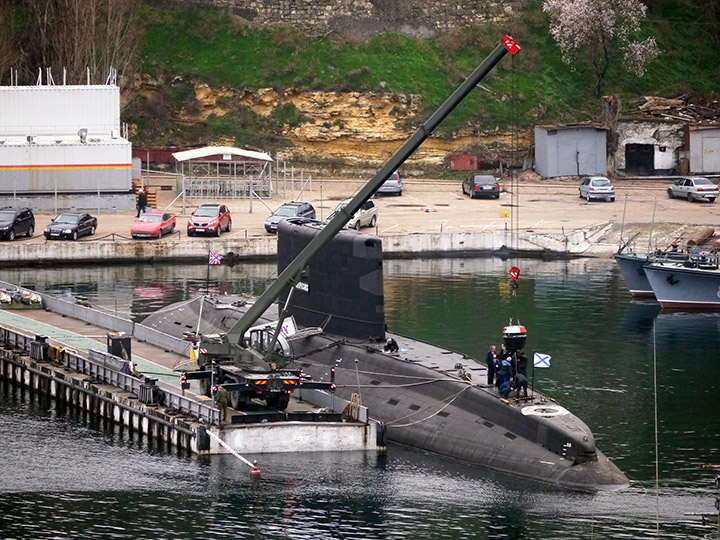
[82, 37]
[10, 54]
[595, 31]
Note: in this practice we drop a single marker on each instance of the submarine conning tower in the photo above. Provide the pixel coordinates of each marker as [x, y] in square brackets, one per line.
[340, 290]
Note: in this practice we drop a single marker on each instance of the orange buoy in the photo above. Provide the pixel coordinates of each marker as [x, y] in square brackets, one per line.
[255, 472]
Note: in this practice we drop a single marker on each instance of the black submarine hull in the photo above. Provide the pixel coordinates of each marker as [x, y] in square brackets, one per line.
[438, 411]
[425, 401]
[424, 394]
[428, 397]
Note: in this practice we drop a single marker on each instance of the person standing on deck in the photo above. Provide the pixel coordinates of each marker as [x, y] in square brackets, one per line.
[490, 359]
[221, 400]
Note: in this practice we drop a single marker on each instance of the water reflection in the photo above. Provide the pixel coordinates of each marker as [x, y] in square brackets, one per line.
[603, 355]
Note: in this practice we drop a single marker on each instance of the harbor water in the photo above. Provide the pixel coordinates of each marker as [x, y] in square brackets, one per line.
[67, 475]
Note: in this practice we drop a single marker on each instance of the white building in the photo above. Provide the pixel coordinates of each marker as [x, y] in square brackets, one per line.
[61, 148]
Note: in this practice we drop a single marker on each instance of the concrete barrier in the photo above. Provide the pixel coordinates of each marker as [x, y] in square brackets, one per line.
[88, 314]
[160, 339]
[118, 249]
[174, 248]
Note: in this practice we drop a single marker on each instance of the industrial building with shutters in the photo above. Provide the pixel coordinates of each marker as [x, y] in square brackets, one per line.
[61, 148]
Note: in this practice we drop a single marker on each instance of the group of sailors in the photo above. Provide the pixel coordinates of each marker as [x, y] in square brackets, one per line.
[507, 370]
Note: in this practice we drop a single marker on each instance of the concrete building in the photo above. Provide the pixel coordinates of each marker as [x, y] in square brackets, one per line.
[703, 149]
[648, 147]
[571, 150]
[61, 148]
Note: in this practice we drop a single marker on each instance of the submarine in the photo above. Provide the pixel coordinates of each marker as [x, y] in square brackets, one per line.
[330, 286]
[428, 397]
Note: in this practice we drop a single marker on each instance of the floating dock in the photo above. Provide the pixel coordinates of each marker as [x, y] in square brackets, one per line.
[66, 358]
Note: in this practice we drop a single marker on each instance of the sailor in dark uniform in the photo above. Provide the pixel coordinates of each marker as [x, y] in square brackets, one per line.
[505, 377]
[520, 383]
[391, 346]
[490, 358]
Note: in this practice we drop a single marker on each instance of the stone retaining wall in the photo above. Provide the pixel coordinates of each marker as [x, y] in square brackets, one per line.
[363, 18]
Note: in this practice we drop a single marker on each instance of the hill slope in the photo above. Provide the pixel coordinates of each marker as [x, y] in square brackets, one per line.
[326, 98]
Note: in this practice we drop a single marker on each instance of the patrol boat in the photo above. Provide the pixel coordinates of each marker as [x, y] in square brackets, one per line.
[692, 284]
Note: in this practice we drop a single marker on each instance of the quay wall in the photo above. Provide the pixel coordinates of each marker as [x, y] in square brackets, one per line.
[111, 250]
[96, 384]
[103, 400]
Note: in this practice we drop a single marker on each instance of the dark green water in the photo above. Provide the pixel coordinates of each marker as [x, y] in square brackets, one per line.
[64, 477]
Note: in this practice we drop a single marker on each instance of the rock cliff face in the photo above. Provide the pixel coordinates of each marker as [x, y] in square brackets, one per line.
[350, 127]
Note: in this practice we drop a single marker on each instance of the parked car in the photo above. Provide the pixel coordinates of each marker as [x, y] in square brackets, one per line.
[71, 225]
[693, 187]
[209, 219]
[596, 187]
[392, 185]
[153, 225]
[14, 222]
[365, 217]
[481, 185]
[288, 210]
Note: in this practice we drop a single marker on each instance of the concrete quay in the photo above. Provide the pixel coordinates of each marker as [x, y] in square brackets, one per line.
[71, 366]
[431, 219]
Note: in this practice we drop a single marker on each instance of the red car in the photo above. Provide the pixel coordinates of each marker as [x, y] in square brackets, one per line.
[209, 219]
[153, 225]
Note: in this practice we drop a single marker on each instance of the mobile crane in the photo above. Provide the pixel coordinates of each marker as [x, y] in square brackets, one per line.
[252, 361]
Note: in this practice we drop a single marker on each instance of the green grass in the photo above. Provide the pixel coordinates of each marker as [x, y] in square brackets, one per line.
[535, 87]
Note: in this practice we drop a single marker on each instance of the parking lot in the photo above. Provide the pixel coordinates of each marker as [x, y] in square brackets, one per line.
[545, 206]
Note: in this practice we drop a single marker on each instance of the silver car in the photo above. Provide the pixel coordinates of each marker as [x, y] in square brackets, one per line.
[392, 185]
[693, 187]
[365, 217]
[596, 187]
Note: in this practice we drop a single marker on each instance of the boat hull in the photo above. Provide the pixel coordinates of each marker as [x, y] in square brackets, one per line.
[434, 410]
[679, 287]
[631, 269]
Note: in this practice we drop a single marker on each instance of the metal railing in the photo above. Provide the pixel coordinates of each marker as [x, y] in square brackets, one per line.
[106, 368]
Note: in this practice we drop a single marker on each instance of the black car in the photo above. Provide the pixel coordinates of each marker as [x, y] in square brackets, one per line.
[14, 222]
[481, 185]
[71, 225]
[288, 210]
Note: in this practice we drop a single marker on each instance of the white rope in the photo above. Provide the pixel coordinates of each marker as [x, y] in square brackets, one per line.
[657, 457]
[420, 383]
[227, 447]
[451, 398]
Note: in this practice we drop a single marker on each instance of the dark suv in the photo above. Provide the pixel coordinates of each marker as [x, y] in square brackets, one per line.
[14, 222]
[288, 210]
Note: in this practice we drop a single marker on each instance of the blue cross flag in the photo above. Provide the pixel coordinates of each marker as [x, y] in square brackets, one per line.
[541, 360]
[215, 258]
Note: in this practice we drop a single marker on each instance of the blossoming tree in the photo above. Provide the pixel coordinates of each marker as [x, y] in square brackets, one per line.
[596, 31]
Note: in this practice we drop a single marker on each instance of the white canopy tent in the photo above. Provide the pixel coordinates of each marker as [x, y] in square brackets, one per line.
[214, 172]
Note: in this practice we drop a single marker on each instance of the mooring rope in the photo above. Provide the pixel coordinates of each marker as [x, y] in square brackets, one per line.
[451, 398]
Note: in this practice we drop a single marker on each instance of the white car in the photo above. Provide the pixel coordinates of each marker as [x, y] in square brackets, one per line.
[365, 217]
[693, 187]
[597, 187]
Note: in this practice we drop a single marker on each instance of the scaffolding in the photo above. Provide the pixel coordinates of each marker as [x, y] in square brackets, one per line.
[223, 173]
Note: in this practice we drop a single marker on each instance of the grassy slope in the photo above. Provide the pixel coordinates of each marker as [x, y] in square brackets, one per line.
[534, 87]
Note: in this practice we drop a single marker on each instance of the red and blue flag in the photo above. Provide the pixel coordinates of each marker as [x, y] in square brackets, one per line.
[215, 258]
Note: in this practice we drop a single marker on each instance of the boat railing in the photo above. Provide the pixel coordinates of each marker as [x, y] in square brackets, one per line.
[703, 260]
